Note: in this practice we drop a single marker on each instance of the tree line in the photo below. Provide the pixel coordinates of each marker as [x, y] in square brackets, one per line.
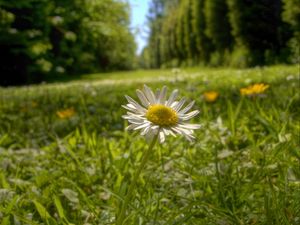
[40, 38]
[238, 33]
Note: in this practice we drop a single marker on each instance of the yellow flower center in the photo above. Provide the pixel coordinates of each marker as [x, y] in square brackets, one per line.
[162, 115]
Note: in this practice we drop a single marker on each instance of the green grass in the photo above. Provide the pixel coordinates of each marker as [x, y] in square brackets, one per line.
[243, 167]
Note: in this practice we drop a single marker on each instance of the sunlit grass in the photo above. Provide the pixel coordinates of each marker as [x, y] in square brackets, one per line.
[179, 74]
[242, 169]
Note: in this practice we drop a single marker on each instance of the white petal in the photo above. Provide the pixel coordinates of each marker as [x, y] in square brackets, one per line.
[168, 131]
[131, 126]
[145, 131]
[129, 107]
[178, 106]
[190, 126]
[172, 133]
[174, 104]
[154, 127]
[135, 104]
[157, 93]
[150, 135]
[172, 97]
[149, 95]
[176, 130]
[162, 95]
[126, 117]
[189, 115]
[142, 98]
[189, 137]
[142, 126]
[187, 108]
[161, 137]
[138, 122]
[134, 117]
[185, 131]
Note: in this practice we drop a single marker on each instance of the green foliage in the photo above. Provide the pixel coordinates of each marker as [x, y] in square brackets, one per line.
[180, 36]
[216, 32]
[144, 59]
[240, 57]
[243, 167]
[217, 25]
[202, 44]
[189, 40]
[154, 41]
[291, 15]
[54, 37]
[262, 33]
[167, 46]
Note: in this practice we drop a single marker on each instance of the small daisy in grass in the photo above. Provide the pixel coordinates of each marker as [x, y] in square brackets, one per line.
[156, 117]
[160, 116]
[254, 89]
[67, 113]
[210, 96]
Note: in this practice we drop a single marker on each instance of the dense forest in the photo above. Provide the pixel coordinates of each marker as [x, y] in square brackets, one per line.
[238, 33]
[39, 38]
[55, 38]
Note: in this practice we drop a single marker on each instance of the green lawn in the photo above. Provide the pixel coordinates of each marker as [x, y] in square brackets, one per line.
[243, 168]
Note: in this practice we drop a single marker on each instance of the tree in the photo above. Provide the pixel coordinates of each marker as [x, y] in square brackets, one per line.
[189, 38]
[218, 28]
[48, 37]
[255, 27]
[291, 15]
[216, 32]
[154, 42]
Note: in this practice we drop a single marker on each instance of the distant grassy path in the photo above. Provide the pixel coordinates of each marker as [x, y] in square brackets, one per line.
[213, 75]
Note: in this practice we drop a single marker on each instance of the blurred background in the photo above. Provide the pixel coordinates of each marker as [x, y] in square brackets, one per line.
[42, 40]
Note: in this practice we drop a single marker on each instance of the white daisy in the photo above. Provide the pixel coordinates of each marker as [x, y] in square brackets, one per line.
[158, 116]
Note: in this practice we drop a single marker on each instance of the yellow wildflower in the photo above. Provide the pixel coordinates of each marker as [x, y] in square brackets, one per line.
[245, 91]
[34, 104]
[210, 96]
[67, 113]
[254, 89]
[24, 109]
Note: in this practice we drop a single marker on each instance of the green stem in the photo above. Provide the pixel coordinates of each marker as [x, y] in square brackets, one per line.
[121, 215]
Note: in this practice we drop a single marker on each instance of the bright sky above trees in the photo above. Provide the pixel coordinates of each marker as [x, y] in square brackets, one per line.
[139, 10]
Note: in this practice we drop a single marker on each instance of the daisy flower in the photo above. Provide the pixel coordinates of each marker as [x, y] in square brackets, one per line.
[157, 115]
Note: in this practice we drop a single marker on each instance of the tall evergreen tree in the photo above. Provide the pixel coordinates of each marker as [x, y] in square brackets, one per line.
[202, 43]
[189, 40]
[291, 14]
[180, 35]
[155, 23]
[255, 27]
[217, 24]
[216, 32]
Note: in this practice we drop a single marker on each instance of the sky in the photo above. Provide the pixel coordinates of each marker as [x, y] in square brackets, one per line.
[139, 10]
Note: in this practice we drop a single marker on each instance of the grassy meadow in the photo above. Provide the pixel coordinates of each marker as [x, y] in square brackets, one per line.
[65, 157]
